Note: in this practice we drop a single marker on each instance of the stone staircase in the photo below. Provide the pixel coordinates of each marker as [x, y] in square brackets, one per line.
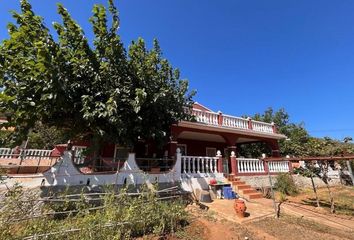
[242, 189]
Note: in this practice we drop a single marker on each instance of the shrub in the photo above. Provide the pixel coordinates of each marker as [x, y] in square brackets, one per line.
[286, 185]
[118, 216]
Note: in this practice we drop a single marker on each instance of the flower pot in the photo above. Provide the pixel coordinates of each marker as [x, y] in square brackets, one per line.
[240, 208]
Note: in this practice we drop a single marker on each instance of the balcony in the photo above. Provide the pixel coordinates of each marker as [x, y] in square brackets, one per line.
[232, 122]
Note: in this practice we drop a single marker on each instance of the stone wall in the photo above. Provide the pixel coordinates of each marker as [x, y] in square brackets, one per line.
[300, 181]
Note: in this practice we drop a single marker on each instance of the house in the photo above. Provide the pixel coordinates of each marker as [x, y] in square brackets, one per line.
[209, 135]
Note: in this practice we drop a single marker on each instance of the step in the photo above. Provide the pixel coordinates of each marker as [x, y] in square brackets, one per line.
[254, 195]
[249, 191]
[233, 178]
[241, 187]
[236, 183]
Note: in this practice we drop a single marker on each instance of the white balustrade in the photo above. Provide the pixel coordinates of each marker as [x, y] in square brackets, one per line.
[250, 165]
[6, 152]
[234, 122]
[79, 156]
[25, 153]
[278, 166]
[196, 165]
[35, 154]
[210, 118]
[262, 127]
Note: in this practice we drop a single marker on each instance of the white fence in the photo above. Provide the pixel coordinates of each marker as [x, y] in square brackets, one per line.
[250, 165]
[234, 122]
[6, 152]
[279, 166]
[212, 118]
[194, 164]
[209, 118]
[79, 156]
[25, 153]
[262, 127]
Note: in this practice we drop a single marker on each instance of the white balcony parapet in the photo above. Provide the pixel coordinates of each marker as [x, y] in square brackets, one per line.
[209, 118]
[234, 122]
[25, 153]
[197, 165]
[227, 121]
[278, 166]
[250, 165]
[262, 127]
[6, 152]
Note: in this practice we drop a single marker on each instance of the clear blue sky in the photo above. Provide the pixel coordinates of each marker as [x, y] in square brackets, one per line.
[245, 56]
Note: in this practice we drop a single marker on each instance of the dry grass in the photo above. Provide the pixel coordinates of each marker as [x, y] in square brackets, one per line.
[290, 227]
[343, 197]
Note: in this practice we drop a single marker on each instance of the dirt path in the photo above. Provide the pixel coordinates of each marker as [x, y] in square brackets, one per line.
[211, 226]
[323, 218]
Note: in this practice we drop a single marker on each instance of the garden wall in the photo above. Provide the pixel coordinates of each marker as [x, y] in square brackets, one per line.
[300, 181]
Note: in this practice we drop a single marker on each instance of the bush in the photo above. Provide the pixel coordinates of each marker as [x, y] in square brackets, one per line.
[118, 216]
[286, 185]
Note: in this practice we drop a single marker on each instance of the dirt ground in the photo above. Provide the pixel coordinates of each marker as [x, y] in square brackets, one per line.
[343, 198]
[300, 219]
[207, 226]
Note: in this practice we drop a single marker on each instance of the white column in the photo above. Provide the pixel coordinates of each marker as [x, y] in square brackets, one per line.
[178, 164]
[198, 164]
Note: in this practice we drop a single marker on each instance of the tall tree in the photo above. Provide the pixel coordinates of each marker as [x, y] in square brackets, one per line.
[96, 91]
[296, 135]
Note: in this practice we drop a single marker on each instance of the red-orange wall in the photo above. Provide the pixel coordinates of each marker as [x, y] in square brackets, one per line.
[198, 148]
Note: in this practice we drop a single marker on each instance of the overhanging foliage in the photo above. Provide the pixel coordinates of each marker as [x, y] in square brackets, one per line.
[100, 90]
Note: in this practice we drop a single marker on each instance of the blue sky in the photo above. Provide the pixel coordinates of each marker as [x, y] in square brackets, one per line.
[245, 56]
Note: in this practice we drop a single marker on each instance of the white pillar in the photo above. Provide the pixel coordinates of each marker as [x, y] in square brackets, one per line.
[179, 162]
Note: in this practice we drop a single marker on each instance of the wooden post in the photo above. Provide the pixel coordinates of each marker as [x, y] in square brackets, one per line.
[350, 171]
[271, 187]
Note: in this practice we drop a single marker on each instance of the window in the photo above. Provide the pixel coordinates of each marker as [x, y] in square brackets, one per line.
[183, 148]
[121, 153]
[210, 152]
[79, 154]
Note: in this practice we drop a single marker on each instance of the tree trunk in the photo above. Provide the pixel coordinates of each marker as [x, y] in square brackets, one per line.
[278, 209]
[350, 171]
[326, 180]
[315, 191]
[331, 199]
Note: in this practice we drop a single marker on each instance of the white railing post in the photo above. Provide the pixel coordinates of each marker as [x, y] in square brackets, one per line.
[216, 165]
[184, 164]
[198, 164]
[249, 165]
[193, 165]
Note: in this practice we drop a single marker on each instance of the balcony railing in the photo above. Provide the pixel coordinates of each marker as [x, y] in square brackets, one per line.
[25, 153]
[197, 165]
[218, 119]
[249, 165]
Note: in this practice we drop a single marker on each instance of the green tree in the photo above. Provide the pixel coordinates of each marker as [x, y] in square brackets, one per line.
[96, 91]
[296, 135]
